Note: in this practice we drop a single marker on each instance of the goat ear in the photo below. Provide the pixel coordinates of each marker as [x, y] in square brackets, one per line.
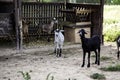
[62, 30]
[78, 32]
[85, 32]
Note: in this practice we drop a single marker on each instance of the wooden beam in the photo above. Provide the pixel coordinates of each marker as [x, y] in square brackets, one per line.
[18, 23]
[101, 21]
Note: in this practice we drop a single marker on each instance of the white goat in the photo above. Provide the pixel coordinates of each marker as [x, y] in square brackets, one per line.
[58, 41]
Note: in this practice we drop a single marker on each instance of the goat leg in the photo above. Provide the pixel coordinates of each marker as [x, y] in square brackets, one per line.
[60, 52]
[84, 54]
[118, 54]
[88, 59]
[48, 39]
[57, 52]
[96, 57]
[118, 51]
[99, 56]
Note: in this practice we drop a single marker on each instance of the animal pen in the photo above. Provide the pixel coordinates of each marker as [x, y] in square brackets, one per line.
[38, 13]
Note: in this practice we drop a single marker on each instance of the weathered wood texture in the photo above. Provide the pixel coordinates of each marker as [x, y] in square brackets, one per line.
[95, 16]
[41, 13]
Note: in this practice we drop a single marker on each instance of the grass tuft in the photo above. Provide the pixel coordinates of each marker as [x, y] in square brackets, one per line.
[25, 75]
[49, 77]
[98, 76]
[111, 68]
[104, 58]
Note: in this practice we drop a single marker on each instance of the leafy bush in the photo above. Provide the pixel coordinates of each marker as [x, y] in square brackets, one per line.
[111, 29]
[111, 33]
[111, 68]
[98, 76]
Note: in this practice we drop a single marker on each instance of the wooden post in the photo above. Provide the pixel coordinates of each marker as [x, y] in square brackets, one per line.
[101, 21]
[18, 24]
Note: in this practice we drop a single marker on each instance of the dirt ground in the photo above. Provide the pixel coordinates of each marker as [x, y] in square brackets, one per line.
[40, 61]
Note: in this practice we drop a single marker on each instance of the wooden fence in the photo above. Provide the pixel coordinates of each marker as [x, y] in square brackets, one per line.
[41, 13]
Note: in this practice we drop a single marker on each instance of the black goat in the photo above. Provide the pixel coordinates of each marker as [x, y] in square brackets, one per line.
[118, 45]
[88, 45]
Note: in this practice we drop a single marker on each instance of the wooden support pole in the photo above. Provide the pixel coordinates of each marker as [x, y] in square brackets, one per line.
[18, 24]
[101, 20]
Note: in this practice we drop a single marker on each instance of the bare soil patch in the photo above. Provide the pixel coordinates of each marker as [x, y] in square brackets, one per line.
[40, 61]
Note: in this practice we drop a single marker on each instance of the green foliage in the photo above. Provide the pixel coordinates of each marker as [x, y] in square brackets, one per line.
[98, 76]
[111, 28]
[111, 68]
[25, 75]
[104, 58]
[117, 2]
[88, 1]
[50, 0]
[113, 2]
[111, 33]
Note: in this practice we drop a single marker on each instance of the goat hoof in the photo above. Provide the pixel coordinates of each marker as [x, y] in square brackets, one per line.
[82, 66]
[59, 55]
[118, 57]
[98, 63]
[88, 65]
[95, 62]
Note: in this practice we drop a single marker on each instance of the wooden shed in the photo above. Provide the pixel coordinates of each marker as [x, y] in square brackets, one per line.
[42, 12]
[87, 16]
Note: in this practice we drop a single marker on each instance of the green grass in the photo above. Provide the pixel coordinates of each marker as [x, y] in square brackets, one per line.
[111, 68]
[111, 12]
[25, 75]
[98, 76]
[104, 58]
